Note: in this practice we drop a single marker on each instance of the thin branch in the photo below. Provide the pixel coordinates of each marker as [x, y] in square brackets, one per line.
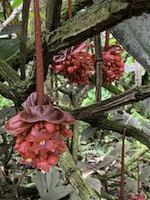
[122, 194]
[106, 124]
[128, 97]
[99, 65]
[23, 39]
[53, 10]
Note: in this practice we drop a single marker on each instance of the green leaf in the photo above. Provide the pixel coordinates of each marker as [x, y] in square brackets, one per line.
[8, 47]
[89, 132]
[57, 193]
[52, 178]
[40, 182]
[145, 174]
[133, 35]
[16, 3]
[146, 127]
[106, 162]
[74, 196]
[95, 184]
[111, 88]
[132, 185]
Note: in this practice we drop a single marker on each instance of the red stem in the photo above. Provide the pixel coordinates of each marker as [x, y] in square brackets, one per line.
[70, 9]
[39, 55]
[122, 197]
[138, 177]
[107, 39]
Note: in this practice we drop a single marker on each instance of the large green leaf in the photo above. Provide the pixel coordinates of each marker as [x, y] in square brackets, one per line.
[8, 47]
[134, 35]
[57, 193]
[52, 178]
[40, 182]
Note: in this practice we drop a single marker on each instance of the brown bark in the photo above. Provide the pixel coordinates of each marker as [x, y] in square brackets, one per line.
[128, 97]
[98, 17]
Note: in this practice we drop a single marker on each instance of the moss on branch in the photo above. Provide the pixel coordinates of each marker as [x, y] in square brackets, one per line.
[73, 175]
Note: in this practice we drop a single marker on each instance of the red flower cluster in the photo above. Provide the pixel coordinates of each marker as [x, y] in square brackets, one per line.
[76, 65]
[113, 65]
[39, 131]
[138, 197]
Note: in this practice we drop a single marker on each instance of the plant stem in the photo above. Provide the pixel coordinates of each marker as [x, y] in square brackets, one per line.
[39, 55]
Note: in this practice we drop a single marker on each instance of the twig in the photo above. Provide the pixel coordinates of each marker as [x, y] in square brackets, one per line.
[138, 172]
[107, 38]
[53, 10]
[69, 9]
[23, 39]
[99, 64]
[122, 166]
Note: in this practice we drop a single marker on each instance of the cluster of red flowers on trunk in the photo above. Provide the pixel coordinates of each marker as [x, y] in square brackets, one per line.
[38, 131]
[113, 66]
[76, 64]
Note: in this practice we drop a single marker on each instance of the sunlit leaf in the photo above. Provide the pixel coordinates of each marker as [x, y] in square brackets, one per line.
[16, 3]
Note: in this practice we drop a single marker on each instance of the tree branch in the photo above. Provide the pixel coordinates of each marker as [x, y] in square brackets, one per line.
[73, 175]
[128, 97]
[98, 17]
[94, 114]
[104, 123]
[53, 9]
[23, 39]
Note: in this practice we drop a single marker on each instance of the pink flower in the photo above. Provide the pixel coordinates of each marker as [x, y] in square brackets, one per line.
[39, 131]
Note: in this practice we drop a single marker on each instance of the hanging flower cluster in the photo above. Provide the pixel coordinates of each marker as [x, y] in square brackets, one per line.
[113, 67]
[138, 197]
[38, 131]
[76, 64]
